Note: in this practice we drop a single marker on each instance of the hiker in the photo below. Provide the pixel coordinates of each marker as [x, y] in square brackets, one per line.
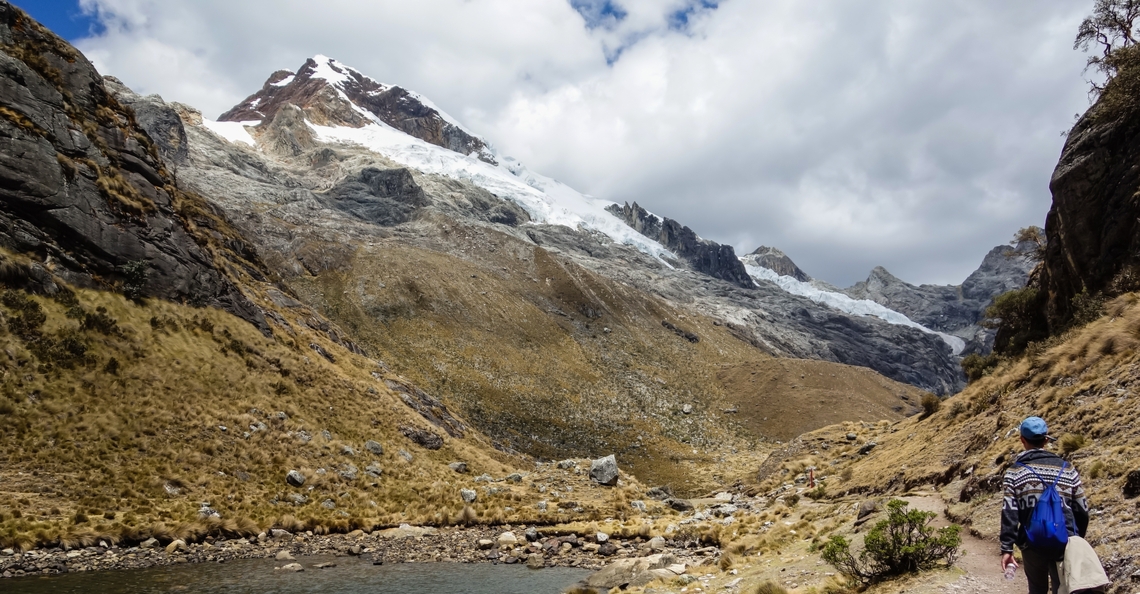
[1025, 480]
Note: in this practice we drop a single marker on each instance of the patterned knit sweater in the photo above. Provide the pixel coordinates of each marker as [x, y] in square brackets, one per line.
[1022, 489]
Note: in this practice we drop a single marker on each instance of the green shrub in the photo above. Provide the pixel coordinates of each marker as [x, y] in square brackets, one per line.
[930, 404]
[902, 543]
[1018, 318]
[135, 275]
[29, 318]
[976, 366]
[817, 493]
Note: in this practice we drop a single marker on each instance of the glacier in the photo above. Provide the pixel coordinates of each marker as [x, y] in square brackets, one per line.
[846, 304]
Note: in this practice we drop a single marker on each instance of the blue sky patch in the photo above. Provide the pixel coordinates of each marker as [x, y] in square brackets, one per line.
[599, 13]
[63, 17]
[679, 20]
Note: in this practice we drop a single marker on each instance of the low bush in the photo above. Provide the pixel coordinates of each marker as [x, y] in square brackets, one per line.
[930, 404]
[1072, 442]
[902, 543]
[770, 587]
[976, 366]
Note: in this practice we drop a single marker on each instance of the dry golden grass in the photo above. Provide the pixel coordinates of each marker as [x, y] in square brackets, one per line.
[1081, 383]
[92, 450]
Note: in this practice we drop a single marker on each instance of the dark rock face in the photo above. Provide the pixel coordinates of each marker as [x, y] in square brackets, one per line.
[1093, 227]
[82, 185]
[395, 106]
[957, 310]
[708, 257]
[779, 262]
[382, 196]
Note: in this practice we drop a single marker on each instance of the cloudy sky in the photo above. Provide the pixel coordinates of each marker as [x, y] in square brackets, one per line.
[912, 134]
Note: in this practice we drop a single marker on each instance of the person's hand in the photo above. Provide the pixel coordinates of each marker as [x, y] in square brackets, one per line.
[1006, 559]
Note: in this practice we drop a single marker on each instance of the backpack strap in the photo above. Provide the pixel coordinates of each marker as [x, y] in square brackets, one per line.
[1055, 480]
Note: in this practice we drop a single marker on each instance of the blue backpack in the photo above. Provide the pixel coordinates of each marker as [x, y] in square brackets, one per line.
[1047, 528]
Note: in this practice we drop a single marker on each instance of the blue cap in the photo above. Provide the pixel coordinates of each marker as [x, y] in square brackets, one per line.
[1034, 428]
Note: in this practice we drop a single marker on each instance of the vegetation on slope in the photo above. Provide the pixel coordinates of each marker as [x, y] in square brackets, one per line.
[1083, 383]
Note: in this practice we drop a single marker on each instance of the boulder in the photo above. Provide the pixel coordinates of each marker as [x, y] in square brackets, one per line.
[535, 561]
[486, 543]
[294, 567]
[422, 437]
[531, 534]
[687, 409]
[632, 573]
[297, 499]
[178, 545]
[601, 537]
[723, 496]
[468, 495]
[328, 504]
[349, 472]
[852, 437]
[294, 478]
[149, 543]
[681, 505]
[460, 467]
[279, 533]
[284, 555]
[867, 447]
[514, 477]
[657, 543]
[507, 539]
[373, 470]
[1131, 485]
[604, 471]
[608, 549]
[567, 464]
[348, 450]
[638, 505]
[374, 447]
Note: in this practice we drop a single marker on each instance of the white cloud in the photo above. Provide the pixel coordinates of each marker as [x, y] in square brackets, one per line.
[912, 134]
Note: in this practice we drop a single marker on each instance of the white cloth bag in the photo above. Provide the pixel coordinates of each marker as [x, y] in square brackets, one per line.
[1081, 571]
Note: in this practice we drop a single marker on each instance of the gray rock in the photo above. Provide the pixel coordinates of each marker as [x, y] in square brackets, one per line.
[293, 567]
[867, 447]
[531, 534]
[349, 472]
[1131, 486]
[149, 543]
[638, 505]
[374, 447]
[604, 470]
[405, 455]
[281, 416]
[284, 555]
[514, 477]
[567, 464]
[373, 470]
[347, 450]
[422, 437]
[294, 478]
[540, 506]
[687, 409]
[601, 537]
[852, 437]
[632, 573]
[460, 467]
[535, 561]
[484, 478]
[681, 505]
[468, 495]
[297, 499]
[328, 504]
[279, 533]
[326, 435]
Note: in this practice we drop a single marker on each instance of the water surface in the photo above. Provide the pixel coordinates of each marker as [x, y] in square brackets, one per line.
[350, 576]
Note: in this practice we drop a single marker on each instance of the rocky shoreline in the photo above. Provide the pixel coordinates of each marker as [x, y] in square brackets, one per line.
[406, 544]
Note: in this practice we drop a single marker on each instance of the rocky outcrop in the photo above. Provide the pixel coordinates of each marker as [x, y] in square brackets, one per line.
[778, 262]
[317, 88]
[84, 189]
[954, 309]
[707, 257]
[1092, 230]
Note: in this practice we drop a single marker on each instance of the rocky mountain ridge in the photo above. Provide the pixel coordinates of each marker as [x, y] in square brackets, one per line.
[954, 309]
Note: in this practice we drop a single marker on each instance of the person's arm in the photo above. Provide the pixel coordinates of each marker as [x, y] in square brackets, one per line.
[1009, 517]
[1080, 505]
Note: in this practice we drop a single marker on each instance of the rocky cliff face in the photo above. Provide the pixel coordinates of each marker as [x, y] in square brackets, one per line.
[778, 262]
[83, 188]
[953, 309]
[1093, 226]
[707, 257]
[332, 94]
